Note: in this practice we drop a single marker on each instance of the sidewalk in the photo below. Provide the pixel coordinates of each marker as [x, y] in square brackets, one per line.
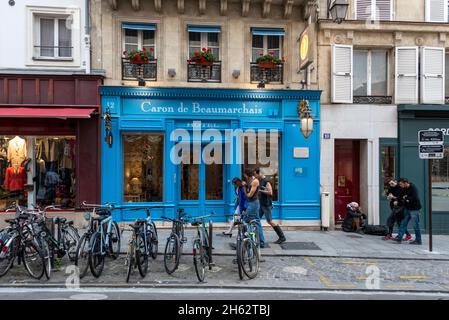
[336, 244]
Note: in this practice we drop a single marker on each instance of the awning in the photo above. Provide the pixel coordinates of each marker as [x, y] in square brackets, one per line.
[268, 31]
[139, 26]
[210, 29]
[60, 113]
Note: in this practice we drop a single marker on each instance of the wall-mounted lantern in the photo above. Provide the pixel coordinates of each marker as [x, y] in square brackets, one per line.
[305, 117]
[338, 10]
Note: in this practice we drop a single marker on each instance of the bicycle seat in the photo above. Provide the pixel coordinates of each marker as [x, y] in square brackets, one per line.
[60, 220]
[24, 216]
[11, 221]
[100, 218]
[196, 223]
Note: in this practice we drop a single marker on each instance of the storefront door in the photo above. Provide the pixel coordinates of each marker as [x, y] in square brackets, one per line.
[201, 181]
[347, 175]
[388, 169]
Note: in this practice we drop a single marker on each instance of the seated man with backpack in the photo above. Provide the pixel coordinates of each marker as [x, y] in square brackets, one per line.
[355, 219]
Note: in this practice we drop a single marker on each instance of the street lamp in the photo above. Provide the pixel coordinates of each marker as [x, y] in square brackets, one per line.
[338, 10]
[305, 117]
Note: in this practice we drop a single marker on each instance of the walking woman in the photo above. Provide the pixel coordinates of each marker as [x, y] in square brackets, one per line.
[241, 202]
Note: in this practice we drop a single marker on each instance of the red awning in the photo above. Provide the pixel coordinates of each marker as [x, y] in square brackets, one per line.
[60, 113]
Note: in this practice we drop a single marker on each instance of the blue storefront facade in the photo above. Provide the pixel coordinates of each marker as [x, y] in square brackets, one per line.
[163, 141]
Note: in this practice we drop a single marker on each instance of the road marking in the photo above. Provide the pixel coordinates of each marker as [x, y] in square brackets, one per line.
[359, 262]
[296, 270]
[329, 284]
[361, 278]
[414, 277]
[310, 262]
[399, 287]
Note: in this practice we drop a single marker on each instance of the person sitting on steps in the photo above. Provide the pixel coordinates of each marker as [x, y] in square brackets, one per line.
[355, 219]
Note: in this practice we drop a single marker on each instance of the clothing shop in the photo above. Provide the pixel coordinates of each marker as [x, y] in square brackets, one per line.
[49, 140]
[181, 147]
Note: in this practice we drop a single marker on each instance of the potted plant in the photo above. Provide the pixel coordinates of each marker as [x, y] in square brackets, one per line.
[268, 61]
[202, 58]
[139, 56]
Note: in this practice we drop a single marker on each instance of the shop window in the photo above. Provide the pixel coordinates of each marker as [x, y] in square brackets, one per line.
[37, 170]
[440, 183]
[143, 167]
[53, 38]
[388, 163]
[263, 156]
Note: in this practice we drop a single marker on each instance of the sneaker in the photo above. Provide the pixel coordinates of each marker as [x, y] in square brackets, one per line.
[408, 237]
[279, 241]
[415, 242]
[387, 237]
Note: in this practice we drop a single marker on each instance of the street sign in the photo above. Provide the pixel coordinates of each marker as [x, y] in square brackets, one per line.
[431, 151]
[427, 137]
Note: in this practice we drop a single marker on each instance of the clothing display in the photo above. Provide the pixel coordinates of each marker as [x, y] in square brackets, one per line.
[17, 151]
[15, 178]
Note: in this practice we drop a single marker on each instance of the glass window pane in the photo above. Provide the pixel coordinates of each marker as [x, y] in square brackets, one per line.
[193, 49]
[388, 165]
[131, 36]
[212, 40]
[446, 83]
[54, 176]
[263, 156]
[440, 183]
[257, 41]
[256, 54]
[214, 179]
[274, 42]
[148, 37]
[379, 63]
[216, 53]
[360, 72]
[195, 39]
[47, 38]
[143, 167]
[65, 38]
[190, 174]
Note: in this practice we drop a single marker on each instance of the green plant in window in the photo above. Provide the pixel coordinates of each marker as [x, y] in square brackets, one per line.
[139, 56]
[269, 59]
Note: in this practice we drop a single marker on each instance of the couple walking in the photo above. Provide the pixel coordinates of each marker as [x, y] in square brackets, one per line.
[254, 200]
[405, 206]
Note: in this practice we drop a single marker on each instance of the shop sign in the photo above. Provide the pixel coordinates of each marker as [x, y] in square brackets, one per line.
[427, 137]
[301, 153]
[431, 151]
[445, 131]
[305, 48]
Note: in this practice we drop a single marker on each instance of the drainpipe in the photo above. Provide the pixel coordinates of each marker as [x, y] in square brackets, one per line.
[87, 36]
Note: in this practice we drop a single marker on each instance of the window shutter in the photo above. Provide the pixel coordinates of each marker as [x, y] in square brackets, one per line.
[341, 73]
[383, 10]
[432, 75]
[363, 10]
[406, 75]
[436, 10]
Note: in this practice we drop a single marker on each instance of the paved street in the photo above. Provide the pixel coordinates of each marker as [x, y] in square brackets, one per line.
[410, 273]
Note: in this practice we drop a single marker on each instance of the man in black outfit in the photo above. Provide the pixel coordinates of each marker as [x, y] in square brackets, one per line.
[397, 209]
[266, 204]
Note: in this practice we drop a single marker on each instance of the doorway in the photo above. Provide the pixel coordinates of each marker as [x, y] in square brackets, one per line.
[347, 176]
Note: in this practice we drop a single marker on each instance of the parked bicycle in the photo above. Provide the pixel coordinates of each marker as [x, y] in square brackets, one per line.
[247, 247]
[142, 244]
[101, 239]
[175, 241]
[202, 246]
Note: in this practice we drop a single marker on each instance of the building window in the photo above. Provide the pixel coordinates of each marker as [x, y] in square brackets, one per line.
[264, 156]
[446, 83]
[370, 72]
[266, 44]
[208, 40]
[373, 10]
[139, 39]
[440, 183]
[54, 38]
[143, 167]
[49, 178]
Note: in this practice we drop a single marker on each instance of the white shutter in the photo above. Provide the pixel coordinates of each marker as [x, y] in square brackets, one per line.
[406, 75]
[432, 75]
[383, 10]
[363, 9]
[436, 10]
[341, 73]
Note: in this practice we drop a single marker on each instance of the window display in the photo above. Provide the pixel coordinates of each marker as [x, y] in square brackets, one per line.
[37, 170]
[440, 183]
[143, 164]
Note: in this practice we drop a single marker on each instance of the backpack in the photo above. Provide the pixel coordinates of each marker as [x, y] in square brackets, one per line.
[376, 230]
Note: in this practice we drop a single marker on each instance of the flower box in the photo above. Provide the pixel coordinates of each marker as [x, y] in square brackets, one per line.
[267, 65]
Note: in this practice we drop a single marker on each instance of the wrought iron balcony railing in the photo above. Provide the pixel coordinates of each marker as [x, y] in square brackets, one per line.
[131, 71]
[373, 99]
[204, 73]
[268, 75]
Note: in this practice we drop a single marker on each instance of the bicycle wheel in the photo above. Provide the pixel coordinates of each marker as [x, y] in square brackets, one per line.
[239, 259]
[154, 240]
[7, 255]
[70, 240]
[33, 260]
[249, 258]
[114, 241]
[47, 254]
[141, 254]
[199, 260]
[130, 259]
[255, 228]
[96, 258]
[172, 254]
[82, 255]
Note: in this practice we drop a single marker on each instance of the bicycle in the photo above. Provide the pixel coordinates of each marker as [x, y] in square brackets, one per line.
[247, 247]
[101, 239]
[19, 242]
[202, 246]
[142, 244]
[175, 241]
